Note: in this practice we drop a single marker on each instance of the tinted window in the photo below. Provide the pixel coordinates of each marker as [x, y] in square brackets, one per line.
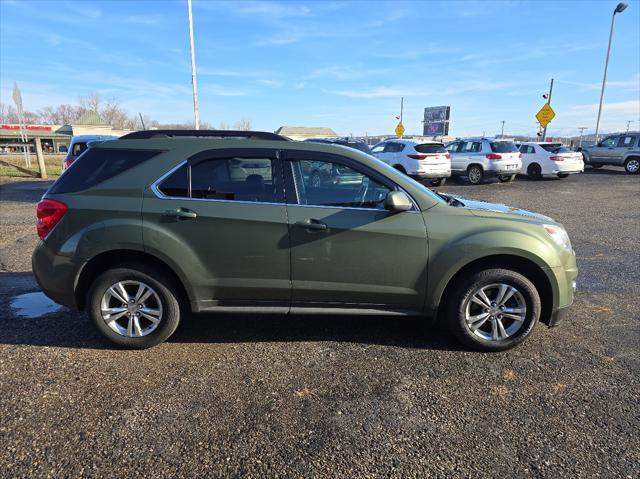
[97, 165]
[608, 142]
[393, 147]
[453, 147]
[378, 148]
[177, 184]
[78, 148]
[556, 148]
[234, 179]
[427, 148]
[625, 141]
[355, 145]
[503, 147]
[324, 183]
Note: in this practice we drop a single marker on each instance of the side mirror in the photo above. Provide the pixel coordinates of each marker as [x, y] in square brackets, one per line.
[397, 201]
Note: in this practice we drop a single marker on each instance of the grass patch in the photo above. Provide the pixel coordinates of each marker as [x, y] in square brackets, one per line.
[53, 164]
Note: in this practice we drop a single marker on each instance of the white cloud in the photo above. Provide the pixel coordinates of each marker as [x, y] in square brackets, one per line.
[344, 72]
[270, 83]
[274, 10]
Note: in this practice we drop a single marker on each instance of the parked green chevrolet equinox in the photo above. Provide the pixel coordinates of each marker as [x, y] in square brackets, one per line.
[142, 230]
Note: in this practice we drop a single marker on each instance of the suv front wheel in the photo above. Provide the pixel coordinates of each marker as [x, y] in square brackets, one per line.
[493, 310]
[134, 306]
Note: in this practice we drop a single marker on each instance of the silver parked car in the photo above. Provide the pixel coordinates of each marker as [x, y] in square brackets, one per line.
[79, 144]
[480, 158]
[617, 150]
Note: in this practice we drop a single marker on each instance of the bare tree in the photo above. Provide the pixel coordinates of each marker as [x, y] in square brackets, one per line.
[224, 126]
[90, 102]
[244, 124]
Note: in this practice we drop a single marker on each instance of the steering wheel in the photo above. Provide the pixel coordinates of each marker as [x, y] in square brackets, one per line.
[362, 192]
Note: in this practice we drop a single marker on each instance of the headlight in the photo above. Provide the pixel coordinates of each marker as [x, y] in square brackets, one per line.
[559, 235]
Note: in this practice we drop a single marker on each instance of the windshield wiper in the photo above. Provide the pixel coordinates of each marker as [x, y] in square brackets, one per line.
[450, 199]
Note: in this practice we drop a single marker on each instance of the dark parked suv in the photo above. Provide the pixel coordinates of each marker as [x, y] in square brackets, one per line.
[140, 230]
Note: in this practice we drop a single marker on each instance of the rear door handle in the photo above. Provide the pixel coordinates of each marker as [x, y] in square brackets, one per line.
[312, 225]
[181, 213]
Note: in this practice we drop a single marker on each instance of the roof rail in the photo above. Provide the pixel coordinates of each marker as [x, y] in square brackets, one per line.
[254, 135]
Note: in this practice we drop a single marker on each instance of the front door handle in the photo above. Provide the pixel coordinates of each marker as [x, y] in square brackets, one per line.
[181, 213]
[312, 225]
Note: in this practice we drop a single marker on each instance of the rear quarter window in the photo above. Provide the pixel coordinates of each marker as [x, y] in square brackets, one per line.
[97, 165]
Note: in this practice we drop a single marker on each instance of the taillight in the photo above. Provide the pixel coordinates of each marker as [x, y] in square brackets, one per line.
[519, 155]
[556, 158]
[418, 156]
[49, 213]
[494, 156]
[66, 164]
[447, 156]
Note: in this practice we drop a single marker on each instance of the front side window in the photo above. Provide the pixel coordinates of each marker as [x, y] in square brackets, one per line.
[230, 179]
[392, 147]
[608, 142]
[325, 183]
[378, 148]
[453, 147]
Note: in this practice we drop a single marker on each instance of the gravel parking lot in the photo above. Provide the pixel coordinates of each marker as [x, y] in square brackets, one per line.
[336, 396]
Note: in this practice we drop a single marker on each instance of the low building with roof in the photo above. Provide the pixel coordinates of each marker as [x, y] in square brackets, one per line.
[304, 132]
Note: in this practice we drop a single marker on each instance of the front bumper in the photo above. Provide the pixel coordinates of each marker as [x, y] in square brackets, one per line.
[565, 278]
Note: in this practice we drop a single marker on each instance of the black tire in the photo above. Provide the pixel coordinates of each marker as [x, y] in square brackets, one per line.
[161, 285]
[632, 166]
[475, 174]
[401, 169]
[534, 171]
[461, 294]
[595, 165]
[563, 175]
[438, 182]
[506, 178]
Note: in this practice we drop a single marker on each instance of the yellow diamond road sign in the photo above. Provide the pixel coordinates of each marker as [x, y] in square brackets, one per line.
[400, 130]
[545, 115]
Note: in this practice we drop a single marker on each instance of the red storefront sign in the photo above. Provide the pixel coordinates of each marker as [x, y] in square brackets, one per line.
[26, 127]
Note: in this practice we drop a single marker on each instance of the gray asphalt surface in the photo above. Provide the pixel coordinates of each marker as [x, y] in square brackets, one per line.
[251, 396]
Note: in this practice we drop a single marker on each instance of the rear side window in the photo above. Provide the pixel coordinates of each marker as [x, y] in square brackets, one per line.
[427, 148]
[625, 141]
[97, 165]
[556, 148]
[78, 148]
[503, 147]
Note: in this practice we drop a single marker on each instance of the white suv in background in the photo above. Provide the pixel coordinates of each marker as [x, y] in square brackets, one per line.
[540, 159]
[479, 158]
[421, 160]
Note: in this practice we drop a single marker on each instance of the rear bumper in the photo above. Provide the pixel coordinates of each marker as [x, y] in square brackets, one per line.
[55, 275]
[433, 172]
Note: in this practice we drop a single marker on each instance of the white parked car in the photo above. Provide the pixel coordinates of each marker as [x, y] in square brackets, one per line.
[546, 159]
[425, 160]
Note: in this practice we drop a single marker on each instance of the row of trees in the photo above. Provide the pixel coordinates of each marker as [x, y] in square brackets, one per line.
[110, 110]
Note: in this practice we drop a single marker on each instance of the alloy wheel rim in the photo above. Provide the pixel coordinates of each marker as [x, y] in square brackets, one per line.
[495, 312]
[633, 166]
[131, 308]
[474, 175]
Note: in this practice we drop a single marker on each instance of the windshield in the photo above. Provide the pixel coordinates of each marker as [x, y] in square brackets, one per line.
[503, 147]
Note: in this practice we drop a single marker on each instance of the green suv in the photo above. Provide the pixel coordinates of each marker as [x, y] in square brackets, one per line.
[142, 230]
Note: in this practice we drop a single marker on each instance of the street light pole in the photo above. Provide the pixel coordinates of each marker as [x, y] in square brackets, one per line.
[619, 9]
[502, 131]
[582, 128]
[196, 114]
[544, 133]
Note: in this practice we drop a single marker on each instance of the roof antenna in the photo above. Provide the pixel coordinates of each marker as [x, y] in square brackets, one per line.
[142, 121]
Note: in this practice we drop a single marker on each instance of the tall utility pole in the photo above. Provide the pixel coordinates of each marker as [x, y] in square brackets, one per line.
[629, 124]
[401, 107]
[502, 130]
[582, 128]
[196, 114]
[544, 133]
[619, 9]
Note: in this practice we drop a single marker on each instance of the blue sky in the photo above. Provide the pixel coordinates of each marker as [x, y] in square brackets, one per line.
[339, 64]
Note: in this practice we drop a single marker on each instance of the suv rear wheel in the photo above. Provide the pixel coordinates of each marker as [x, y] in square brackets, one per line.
[134, 306]
[475, 174]
[506, 178]
[493, 310]
[438, 182]
[632, 166]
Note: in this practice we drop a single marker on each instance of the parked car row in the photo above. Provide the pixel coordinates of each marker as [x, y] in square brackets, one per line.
[478, 159]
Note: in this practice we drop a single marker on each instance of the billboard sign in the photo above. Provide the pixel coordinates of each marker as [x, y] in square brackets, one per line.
[436, 121]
